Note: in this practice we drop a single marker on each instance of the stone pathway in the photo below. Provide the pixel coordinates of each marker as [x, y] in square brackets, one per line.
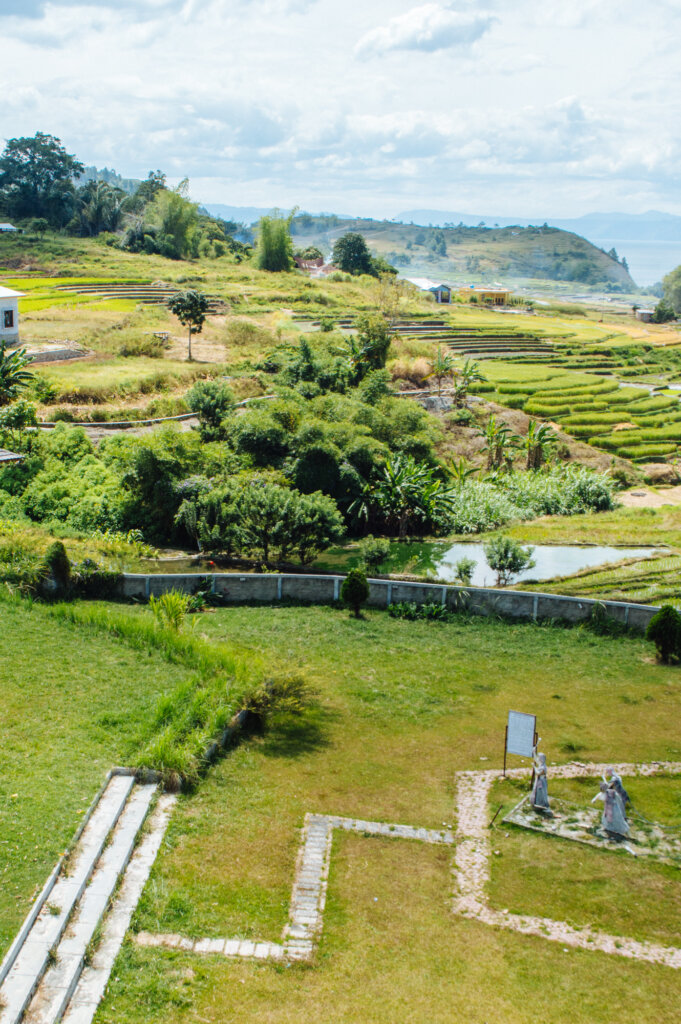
[472, 867]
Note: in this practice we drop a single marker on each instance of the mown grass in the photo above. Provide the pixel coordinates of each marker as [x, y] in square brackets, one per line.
[72, 705]
[402, 706]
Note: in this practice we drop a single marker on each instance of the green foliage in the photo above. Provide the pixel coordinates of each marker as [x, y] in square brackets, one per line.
[464, 570]
[282, 695]
[355, 590]
[412, 612]
[174, 222]
[14, 376]
[369, 350]
[442, 367]
[507, 558]
[59, 567]
[274, 251]
[405, 497]
[99, 207]
[664, 630]
[664, 312]
[351, 254]
[170, 609]
[36, 179]
[374, 551]
[671, 284]
[15, 418]
[190, 308]
[499, 442]
[212, 401]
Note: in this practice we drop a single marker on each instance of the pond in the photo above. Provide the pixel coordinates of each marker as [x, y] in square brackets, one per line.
[437, 560]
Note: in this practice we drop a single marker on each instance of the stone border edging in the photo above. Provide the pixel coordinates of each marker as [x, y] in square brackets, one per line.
[39, 902]
[325, 589]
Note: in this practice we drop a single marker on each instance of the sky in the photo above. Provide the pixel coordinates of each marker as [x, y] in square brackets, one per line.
[530, 108]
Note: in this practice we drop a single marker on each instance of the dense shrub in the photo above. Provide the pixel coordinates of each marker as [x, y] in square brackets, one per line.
[355, 590]
[664, 629]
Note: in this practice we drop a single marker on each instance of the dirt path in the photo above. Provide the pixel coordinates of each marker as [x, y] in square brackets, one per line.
[644, 497]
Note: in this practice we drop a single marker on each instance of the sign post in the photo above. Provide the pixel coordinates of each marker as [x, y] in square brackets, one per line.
[521, 735]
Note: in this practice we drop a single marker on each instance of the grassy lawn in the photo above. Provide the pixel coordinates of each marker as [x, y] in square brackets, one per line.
[72, 705]
[401, 707]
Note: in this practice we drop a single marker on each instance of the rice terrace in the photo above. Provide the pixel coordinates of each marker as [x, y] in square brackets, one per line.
[340, 584]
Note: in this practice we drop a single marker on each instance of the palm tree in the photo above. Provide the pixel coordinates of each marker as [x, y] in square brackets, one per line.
[100, 207]
[405, 493]
[539, 443]
[13, 375]
[468, 375]
[443, 366]
[500, 444]
[459, 470]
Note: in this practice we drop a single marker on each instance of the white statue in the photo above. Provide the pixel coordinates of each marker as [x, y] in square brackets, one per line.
[539, 796]
[614, 781]
[613, 819]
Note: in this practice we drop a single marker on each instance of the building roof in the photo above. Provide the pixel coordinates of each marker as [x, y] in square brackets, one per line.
[9, 293]
[8, 227]
[426, 285]
[6, 456]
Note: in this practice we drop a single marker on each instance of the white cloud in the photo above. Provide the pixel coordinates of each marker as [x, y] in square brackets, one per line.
[427, 28]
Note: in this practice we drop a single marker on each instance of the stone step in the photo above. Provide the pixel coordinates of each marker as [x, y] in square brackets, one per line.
[60, 979]
[32, 957]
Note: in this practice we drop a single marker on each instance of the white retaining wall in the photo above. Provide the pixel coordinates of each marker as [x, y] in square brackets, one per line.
[268, 587]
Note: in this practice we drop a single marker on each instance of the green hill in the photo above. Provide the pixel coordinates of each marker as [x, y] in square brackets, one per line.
[475, 254]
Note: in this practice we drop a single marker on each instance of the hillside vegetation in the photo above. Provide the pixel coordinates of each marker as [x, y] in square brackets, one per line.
[475, 254]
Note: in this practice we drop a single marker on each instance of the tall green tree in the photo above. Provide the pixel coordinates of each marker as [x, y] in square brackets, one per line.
[99, 208]
[499, 444]
[174, 219]
[351, 254]
[274, 250]
[369, 350]
[36, 178]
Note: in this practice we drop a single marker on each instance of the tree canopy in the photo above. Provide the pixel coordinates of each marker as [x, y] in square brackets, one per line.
[275, 248]
[351, 254]
[36, 178]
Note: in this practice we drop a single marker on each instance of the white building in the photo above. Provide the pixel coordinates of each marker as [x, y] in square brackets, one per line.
[9, 315]
[441, 292]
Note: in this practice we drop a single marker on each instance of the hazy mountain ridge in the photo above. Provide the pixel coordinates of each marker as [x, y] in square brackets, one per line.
[650, 226]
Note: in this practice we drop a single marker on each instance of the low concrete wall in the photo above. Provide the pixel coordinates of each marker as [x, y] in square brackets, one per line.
[268, 587]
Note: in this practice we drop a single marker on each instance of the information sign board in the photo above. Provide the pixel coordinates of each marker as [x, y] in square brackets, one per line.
[520, 733]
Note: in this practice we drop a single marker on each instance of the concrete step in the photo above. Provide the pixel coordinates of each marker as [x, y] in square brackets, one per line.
[35, 951]
[61, 977]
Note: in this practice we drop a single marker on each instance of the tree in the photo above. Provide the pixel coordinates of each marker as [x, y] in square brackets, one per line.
[664, 312]
[406, 494]
[311, 253]
[317, 524]
[38, 226]
[442, 366]
[99, 208]
[369, 351]
[355, 590]
[36, 178]
[13, 373]
[351, 254]
[499, 443]
[15, 418]
[464, 379]
[539, 443]
[275, 248]
[671, 288]
[211, 400]
[174, 220]
[190, 308]
[374, 551]
[507, 558]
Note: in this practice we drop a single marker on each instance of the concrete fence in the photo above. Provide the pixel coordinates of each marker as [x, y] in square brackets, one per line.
[270, 587]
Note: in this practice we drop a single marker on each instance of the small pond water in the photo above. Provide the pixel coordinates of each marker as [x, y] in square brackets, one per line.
[437, 560]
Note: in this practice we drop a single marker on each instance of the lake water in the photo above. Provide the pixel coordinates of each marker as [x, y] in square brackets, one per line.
[648, 260]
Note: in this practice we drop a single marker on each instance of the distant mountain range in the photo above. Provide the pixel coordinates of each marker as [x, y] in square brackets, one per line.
[652, 226]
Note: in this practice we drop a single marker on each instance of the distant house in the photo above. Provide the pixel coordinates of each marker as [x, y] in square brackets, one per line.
[441, 292]
[493, 296]
[7, 227]
[309, 265]
[9, 315]
[645, 315]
